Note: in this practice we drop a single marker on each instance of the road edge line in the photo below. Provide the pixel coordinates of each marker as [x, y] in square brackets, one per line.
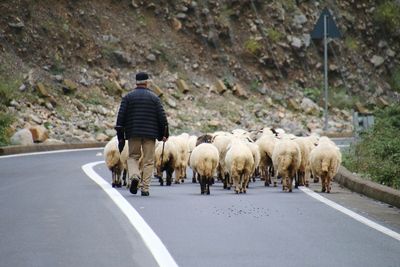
[152, 241]
[352, 214]
[50, 152]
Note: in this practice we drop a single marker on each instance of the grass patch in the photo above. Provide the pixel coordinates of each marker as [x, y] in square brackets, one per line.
[253, 47]
[351, 43]
[387, 14]
[313, 93]
[5, 132]
[377, 155]
[395, 79]
[274, 35]
[340, 99]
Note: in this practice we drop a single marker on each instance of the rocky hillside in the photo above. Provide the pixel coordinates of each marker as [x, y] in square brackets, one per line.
[65, 64]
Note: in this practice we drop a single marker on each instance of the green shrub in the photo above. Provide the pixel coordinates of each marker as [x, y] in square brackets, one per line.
[253, 47]
[274, 35]
[313, 93]
[387, 14]
[351, 43]
[377, 155]
[5, 133]
[7, 91]
[395, 79]
[340, 99]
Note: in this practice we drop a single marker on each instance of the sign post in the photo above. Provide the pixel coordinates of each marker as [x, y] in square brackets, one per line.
[325, 28]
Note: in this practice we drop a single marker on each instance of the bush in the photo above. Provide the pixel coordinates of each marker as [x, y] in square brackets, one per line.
[395, 79]
[388, 15]
[274, 35]
[253, 47]
[313, 93]
[7, 91]
[377, 155]
[5, 133]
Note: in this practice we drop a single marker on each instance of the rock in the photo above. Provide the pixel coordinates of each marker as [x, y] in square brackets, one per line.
[133, 3]
[157, 90]
[381, 102]
[182, 86]
[123, 58]
[214, 123]
[14, 103]
[151, 57]
[361, 109]
[69, 86]
[22, 137]
[18, 25]
[377, 60]
[292, 104]
[239, 91]
[298, 20]
[181, 16]
[110, 132]
[295, 42]
[39, 133]
[22, 88]
[49, 106]
[390, 53]
[220, 87]
[309, 106]
[171, 103]
[176, 24]
[42, 90]
[306, 39]
[35, 119]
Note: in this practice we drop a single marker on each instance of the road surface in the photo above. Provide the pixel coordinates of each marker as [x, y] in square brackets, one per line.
[53, 214]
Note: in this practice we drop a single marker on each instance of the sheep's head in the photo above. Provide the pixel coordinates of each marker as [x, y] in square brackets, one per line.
[205, 138]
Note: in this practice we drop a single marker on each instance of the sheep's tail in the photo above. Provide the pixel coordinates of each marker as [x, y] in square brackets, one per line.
[284, 162]
[206, 167]
[325, 166]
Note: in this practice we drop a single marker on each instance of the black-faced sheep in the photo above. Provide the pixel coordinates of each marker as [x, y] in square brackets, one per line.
[166, 159]
[204, 161]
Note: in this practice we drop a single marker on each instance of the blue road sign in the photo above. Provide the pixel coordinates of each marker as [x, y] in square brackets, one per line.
[332, 29]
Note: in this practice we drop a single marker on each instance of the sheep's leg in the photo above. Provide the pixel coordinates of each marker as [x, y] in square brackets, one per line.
[169, 176]
[209, 183]
[296, 179]
[328, 183]
[284, 183]
[202, 184]
[323, 183]
[307, 177]
[266, 177]
[113, 178]
[290, 183]
[124, 177]
[194, 177]
[177, 175]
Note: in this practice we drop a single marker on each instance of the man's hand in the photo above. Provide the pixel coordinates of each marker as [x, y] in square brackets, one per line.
[164, 139]
[121, 145]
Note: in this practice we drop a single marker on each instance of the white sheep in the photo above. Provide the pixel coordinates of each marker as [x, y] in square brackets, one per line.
[182, 147]
[204, 161]
[116, 162]
[255, 151]
[306, 144]
[286, 158]
[325, 160]
[192, 144]
[221, 142]
[166, 160]
[239, 163]
[266, 144]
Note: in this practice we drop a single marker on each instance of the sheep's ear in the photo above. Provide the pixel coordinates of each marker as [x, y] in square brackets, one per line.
[274, 132]
[250, 140]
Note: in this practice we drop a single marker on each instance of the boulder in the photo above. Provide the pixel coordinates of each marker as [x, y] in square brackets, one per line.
[69, 86]
[41, 89]
[22, 137]
[176, 24]
[102, 137]
[292, 104]
[220, 87]
[182, 86]
[377, 60]
[239, 91]
[157, 90]
[309, 106]
[53, 142]
[39, 133]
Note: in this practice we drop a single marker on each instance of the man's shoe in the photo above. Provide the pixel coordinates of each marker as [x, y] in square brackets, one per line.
[134, 185]
[144, 193]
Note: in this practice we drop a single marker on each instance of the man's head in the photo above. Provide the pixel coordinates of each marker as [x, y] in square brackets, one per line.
[142, 79]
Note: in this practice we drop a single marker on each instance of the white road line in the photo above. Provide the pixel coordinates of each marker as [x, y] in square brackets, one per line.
[152, 241]
[352, 214]
[50, 152]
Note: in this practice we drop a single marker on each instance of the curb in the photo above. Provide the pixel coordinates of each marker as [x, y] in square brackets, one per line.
[367, 188]
[9, 150]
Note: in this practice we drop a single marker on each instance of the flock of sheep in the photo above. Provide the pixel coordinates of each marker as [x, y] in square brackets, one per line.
[236, 157]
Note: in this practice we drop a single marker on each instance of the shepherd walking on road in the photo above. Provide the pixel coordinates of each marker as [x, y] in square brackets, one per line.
[141, 120]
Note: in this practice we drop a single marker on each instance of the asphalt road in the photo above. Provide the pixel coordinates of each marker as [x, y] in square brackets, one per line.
[53, 214]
